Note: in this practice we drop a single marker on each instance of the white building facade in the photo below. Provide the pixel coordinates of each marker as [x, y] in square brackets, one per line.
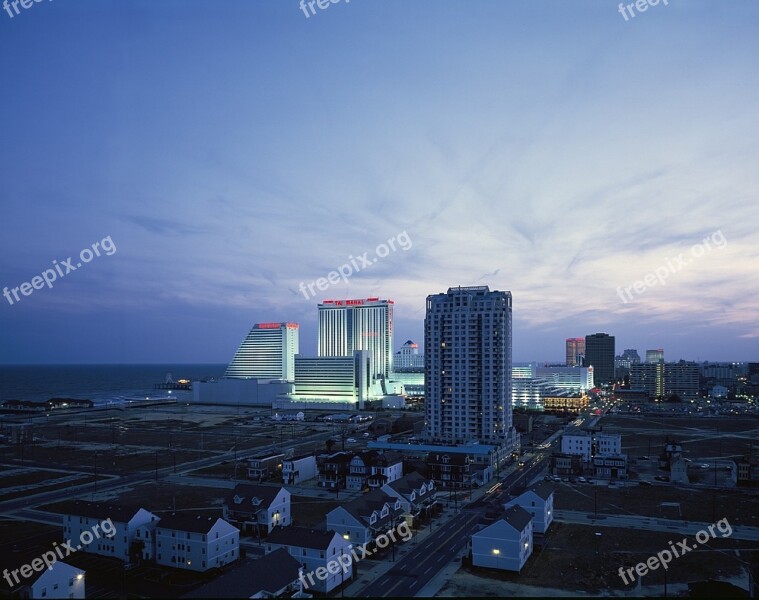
[267, 352]
[195, 543]
[468, 366]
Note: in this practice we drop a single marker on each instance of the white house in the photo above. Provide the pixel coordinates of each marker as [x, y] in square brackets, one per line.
[314, 549]
[258, 508]
[608, 443]
[416, 493]
[577, 443]
[363, 519]
[195, 542]
[538, 501]
[298, 469]
[61, 580]
[373, 468]
[505, 544]
[83, 517]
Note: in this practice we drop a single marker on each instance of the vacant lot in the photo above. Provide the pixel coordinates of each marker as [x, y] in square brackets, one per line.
[577, 560]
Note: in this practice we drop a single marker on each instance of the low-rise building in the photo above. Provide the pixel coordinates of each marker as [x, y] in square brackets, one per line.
[313, 549]
[195, 542]
[258, 508]
[417, 494]
[265, 467]
[81, 517]
[61, 580]
[450, 470]
[298, 469]
[747, 471]
[363, 519]
[373, 468]
[333, 470]
[538, 501]
[610, 466]
[505, 544]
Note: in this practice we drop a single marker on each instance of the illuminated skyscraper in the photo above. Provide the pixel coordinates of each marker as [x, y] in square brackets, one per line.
[366, 324]
[467, 349]
[268, 352]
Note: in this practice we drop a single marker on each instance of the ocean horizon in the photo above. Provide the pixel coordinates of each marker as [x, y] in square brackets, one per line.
[101, 383]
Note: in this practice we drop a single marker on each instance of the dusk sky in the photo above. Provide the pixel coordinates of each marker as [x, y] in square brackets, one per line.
[234, 149]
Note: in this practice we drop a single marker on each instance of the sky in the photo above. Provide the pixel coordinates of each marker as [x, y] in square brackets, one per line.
[225, 153]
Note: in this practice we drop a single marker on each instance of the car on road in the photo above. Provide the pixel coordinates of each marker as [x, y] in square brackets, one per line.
[582, 480]
[351, 440]
[643, 482]
[661, 478]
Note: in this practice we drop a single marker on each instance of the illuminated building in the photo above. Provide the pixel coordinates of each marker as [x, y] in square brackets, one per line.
[268, 352]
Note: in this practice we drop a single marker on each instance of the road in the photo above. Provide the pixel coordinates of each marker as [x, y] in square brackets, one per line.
[417, 568]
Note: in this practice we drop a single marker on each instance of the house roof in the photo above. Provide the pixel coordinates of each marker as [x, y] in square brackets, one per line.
[517, 517]
[408, 483]
[118, 513]
[249, 491]
[269, 573]
[192, 522]
[363, 506]
[302, 537]
[542, 490]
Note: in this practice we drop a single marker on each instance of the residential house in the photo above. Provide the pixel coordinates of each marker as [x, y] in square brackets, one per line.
[450, 470]
[505, 544]
[363, 519]
[333, 470]
[80, 517]
[266, 467]
[566, 464]
[195, 542]
[61, 580]
[314, 549]
[258, 508]
[538, 501]
[298, 469]
[417, 494]
[275, 575]
[373, 469]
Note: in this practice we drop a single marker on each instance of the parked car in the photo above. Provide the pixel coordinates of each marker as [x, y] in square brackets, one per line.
[661, 478]
[582, 480]
[648, 483]
[351, 440]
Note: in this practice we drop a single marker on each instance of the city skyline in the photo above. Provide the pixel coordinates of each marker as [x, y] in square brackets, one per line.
[517, 145]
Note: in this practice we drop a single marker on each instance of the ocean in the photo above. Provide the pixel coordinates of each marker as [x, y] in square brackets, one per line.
[102, 384]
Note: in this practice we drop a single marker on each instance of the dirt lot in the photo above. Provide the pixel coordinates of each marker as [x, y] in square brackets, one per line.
[703, 505]
[577, 560]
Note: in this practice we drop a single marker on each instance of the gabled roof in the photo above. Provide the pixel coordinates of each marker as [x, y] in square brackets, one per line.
[269, 574]
[362, 507]
[302, 537]
[247, 493]
[542, 490]
[517, 517]
[117, 513]
[408, 483]
[188, 522]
